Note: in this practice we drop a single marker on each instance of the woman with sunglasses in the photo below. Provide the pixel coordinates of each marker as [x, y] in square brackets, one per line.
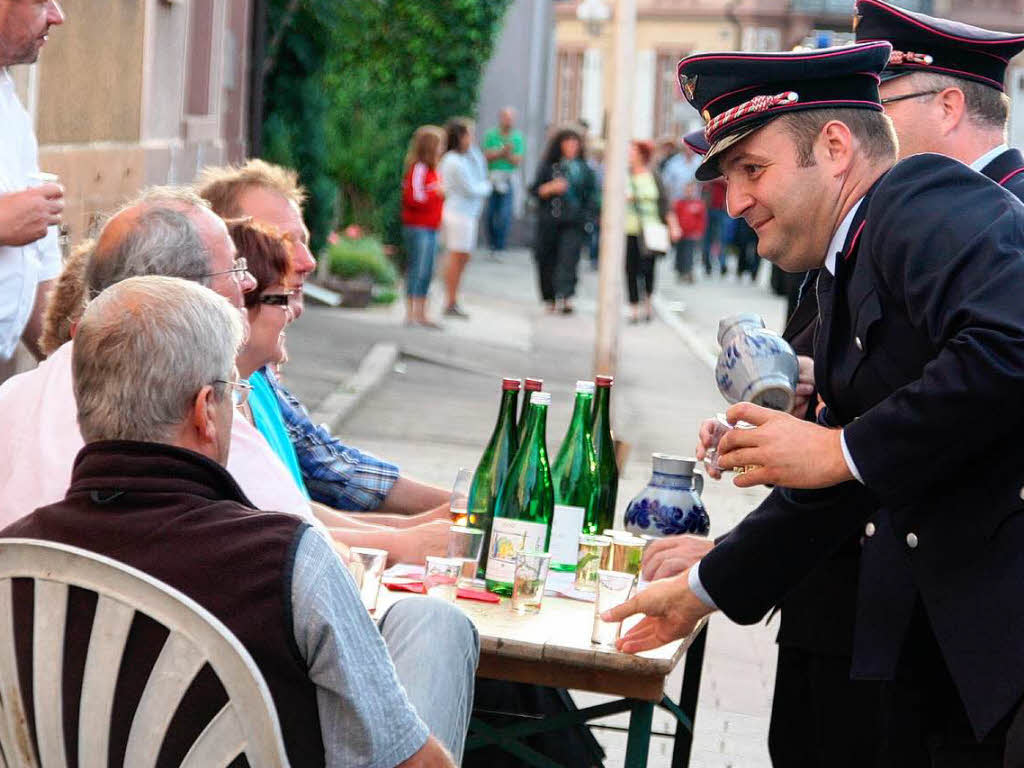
[268, 257]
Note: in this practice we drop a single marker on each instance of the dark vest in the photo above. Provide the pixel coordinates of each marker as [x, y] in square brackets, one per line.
[181, 518]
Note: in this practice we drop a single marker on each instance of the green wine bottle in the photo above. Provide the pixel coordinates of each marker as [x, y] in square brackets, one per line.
[526, 501]
[494, 464]
[529, 387]
[604, 449]
[576, 484]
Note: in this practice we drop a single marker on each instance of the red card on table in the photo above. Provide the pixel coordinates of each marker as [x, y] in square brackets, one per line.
[466, 594]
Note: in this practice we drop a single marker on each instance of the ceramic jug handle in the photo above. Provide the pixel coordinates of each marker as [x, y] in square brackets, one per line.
[698, 483]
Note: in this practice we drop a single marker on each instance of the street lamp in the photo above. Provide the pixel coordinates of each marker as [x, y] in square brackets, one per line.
[593, 13]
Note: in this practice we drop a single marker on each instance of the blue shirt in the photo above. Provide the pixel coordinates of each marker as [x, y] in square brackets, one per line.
[266, 415]
[366, 718]
[335, 474]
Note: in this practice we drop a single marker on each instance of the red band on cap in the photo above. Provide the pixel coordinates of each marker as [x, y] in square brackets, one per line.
[755, 105]
[906, 57]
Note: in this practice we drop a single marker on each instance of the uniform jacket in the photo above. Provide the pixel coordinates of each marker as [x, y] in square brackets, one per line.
[818, 615]
[920, 357]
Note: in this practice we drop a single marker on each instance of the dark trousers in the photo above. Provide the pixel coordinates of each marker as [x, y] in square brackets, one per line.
[925, 724]
[715, 239]
[557, 253]
[499, 216]
[685, 250]
[820, 717]
[639, 271]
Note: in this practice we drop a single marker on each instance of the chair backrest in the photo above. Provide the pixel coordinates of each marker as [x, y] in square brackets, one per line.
[246, 724]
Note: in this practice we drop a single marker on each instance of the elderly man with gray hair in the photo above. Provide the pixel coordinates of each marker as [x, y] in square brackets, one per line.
[154, 366]
[172, 232]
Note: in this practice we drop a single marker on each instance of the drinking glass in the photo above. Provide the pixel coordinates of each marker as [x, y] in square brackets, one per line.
[459, 504]
[613, 589]
[594, 551]
[528, 585]
[721, 427]
[367, 567]
[627, 554]
[465, 545]
[441, 577]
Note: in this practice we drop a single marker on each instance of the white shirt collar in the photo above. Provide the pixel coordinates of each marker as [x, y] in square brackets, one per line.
[839, 238]
[979, 164]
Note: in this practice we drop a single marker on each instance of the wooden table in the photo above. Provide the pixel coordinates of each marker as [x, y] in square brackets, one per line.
[553, 648]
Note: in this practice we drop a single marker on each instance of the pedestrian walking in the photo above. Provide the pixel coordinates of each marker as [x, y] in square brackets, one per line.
[504, 148]
[595, 159]
[567, 191]
[465, 192]
[692, 215]
[716, 235]
[29, 210]
[745, 240]
[650, 226]
[422, 205]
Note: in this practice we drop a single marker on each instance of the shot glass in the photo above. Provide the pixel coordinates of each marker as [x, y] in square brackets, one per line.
[627, 554]
[367, 567]
[530, 577]
[465, 545]
[594, 551]
[441, 577]
[613, 589]
[722, 426]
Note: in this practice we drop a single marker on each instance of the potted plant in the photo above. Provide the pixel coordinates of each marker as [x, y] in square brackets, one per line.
[359, 269]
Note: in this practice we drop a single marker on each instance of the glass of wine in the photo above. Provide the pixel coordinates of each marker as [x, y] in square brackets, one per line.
[459, 504]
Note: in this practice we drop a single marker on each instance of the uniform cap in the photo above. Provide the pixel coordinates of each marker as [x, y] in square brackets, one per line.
[737, 92]
[926, 44]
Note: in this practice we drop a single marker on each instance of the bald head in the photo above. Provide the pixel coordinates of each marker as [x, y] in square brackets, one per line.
[507, 118]
[168, 231]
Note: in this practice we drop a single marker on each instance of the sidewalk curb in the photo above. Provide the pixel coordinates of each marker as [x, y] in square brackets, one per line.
[685, 332]
[377, 364]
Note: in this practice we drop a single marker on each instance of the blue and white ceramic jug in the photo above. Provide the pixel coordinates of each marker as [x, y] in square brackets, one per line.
[755, 365]
[671, 503]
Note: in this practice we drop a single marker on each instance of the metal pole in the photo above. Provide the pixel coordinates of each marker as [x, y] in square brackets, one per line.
[613, 202]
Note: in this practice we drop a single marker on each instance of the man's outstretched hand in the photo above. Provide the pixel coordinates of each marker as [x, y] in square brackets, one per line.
[671, 612]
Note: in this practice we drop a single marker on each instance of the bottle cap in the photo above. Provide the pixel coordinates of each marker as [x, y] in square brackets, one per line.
[540, 398]
[533, 385]
[604, 381]
[510, 384]
[584, 387]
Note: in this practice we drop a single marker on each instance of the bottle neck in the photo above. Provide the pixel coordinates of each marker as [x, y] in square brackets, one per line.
[536, 426]
[507, 412]
[601, 402]
[581, 415]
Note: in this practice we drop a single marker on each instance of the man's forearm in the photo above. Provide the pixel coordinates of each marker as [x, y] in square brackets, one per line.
[33, 332]
[404, 521]
[409, 497]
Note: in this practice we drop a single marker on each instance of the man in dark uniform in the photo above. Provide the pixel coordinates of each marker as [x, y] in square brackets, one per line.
[920, 346]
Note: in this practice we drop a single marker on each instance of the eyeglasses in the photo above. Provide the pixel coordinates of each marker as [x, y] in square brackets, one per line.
[893, 99]
[240, 266]
[276, 299]
[239, 390]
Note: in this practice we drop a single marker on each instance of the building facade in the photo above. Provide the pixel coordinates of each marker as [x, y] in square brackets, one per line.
[135, 93]
[668, 30]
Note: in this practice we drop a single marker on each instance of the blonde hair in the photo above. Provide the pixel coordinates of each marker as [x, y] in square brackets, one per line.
[424, 145]
[67, 299]
[222, 186]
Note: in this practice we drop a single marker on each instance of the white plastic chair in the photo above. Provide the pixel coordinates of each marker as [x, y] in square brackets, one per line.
[246, 724]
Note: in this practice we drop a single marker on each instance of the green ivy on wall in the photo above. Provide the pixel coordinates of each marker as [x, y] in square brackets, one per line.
[348, 83]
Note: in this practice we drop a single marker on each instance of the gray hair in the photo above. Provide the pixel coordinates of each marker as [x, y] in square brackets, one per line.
[163, 240]
[143, 350]
[986, 107]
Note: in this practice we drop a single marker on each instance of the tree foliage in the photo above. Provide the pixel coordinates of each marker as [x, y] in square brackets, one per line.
[351, 81]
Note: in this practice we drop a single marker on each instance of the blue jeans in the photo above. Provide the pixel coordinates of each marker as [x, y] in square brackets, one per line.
[435, 650]
[420, 247]
[499, 216]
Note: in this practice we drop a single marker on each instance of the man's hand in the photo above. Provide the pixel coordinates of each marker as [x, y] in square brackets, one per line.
[707, 429]
[671, 612]
[673, 555]
[783, 449]
[25, 215]
[415, 543]
[804, 386]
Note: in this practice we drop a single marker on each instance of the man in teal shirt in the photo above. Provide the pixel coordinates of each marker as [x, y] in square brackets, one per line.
[503, 148]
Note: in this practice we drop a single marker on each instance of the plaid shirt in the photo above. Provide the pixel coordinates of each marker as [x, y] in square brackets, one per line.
[341, 477]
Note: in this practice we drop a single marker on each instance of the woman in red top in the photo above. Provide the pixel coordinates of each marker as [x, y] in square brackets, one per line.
[422, 200]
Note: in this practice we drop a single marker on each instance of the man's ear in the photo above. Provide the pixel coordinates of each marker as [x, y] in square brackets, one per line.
[837, 144]
[203, 415]
[954, 108]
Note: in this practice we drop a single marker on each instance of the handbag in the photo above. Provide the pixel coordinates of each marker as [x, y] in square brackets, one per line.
[653, 236]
